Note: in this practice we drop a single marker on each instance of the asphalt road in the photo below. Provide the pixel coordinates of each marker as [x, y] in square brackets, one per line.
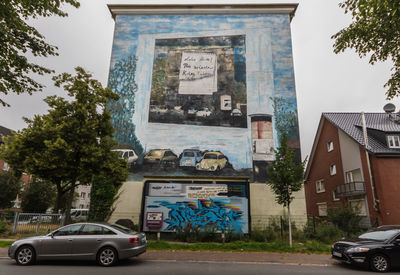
[147, 267]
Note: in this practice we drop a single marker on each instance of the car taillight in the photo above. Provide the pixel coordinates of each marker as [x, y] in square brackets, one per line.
[134, 240]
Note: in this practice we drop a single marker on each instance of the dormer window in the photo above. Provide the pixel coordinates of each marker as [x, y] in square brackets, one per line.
[393, 141]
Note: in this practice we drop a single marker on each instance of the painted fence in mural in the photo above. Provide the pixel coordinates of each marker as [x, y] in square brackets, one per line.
[196, 207]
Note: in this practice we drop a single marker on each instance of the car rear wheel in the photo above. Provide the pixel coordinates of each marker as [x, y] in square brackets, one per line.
[107, 256]
[380, 263]
[25, 255]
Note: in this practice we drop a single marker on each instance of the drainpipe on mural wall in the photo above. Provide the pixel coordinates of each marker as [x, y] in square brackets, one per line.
[365, 135]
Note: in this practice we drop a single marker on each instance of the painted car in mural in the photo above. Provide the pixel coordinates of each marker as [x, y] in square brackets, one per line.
[190, 157]
[161, 157]
[212, 161]
[128, 155]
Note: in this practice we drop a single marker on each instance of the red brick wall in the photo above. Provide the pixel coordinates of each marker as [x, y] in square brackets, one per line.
[320, 169]
[386, 172]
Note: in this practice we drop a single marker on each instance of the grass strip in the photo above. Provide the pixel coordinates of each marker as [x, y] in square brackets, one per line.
[240, 246]
[5, 244]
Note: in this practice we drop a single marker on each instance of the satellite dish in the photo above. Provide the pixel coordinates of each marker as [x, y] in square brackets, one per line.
[389, 108]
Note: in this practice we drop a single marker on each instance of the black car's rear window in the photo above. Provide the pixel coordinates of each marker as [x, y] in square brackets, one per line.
[379, 235]
[123, 229]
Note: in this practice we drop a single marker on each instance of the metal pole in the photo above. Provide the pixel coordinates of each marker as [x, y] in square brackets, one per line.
[16, 216]
[38, 225]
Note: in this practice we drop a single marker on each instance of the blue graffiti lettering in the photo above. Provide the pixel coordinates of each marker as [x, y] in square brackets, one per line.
[216, 213]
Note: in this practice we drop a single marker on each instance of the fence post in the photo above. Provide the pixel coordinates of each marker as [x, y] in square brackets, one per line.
[281, 219]
[38, 225]
[313, 219]
[16, 216]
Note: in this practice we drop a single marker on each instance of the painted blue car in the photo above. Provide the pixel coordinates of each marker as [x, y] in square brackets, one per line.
[190, 157]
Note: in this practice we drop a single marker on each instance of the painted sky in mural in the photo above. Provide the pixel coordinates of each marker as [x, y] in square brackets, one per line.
[166, 104]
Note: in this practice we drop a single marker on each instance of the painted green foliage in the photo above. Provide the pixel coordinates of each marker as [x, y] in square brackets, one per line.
[374, 32]
[122, 82]
[18, 38]
[158, 81]
[286, 117]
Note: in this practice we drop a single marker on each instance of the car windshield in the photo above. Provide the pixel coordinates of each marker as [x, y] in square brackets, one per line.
[210, 156]
[379, 235]
[155, 153]
[123, 229]
[188, 154]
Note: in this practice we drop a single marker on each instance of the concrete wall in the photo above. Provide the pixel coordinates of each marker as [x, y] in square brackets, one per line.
[263, 207]
[129, 204]
[350, 152]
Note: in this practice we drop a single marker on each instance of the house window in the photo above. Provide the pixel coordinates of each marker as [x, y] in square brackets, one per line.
[332, 169]
[359, 206]
[353, 175]
[393, 141]
[83, 194]
[320, 186]
[322, 209]
[330, 146]
[335, 198]
[6, 167]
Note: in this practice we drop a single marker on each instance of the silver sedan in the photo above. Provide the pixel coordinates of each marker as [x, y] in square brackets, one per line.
[81, 241]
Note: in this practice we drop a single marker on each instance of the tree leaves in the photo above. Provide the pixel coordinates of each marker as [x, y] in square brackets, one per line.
[375, 32]
[18, 38]
[285, 176]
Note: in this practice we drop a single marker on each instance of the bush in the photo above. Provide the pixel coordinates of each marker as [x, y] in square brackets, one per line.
[346, 219]
[267, 234]
[328, 233]
[4, 228]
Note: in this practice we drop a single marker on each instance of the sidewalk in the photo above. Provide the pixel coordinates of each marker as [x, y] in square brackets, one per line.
[243, 257]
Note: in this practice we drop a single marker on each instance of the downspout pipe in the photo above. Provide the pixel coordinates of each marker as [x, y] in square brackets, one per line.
[366, 145]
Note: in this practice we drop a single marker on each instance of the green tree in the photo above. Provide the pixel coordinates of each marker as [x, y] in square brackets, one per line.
[10, 185]
[375, 31]
[38, 196]
[285, 177]
[18, 38]
[70, 144]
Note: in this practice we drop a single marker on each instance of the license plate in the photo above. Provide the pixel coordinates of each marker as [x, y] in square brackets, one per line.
[337, 254]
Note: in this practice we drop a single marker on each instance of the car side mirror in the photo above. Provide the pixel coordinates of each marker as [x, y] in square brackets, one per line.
[397, 242]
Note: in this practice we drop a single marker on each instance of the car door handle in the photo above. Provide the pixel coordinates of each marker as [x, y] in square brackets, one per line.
[70, 240]
[99, 240]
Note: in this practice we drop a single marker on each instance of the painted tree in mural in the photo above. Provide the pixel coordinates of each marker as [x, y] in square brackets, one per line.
[122, 82]
[70, 144]
[285, 116]
[375, 32]
[18, 38]
[285, 177]
[158, 81]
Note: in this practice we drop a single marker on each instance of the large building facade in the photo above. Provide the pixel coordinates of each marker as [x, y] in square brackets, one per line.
[205, 93]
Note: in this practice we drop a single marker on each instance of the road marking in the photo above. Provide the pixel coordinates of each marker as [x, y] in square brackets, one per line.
[223, 262]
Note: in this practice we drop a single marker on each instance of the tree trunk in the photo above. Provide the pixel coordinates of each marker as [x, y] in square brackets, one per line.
[70, 198]
[290, 226]
[57, 204]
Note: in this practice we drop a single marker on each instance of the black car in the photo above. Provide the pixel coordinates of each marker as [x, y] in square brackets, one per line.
[378, 249]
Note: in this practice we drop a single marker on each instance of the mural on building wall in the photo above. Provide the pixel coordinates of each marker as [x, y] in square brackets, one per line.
[197, 207]
[203, 94]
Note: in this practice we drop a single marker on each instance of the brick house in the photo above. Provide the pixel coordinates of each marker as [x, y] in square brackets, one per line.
[345, 170]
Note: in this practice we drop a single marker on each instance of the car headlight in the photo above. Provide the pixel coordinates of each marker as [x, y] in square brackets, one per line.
[357, 249]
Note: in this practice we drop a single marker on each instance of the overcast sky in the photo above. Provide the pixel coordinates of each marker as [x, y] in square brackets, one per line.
[325, 82]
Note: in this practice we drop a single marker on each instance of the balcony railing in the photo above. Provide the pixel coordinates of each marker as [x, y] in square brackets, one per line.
[350, 189]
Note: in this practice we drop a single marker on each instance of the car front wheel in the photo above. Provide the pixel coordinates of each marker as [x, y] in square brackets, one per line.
[25, 255]
[107, 256]
[380, 263]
